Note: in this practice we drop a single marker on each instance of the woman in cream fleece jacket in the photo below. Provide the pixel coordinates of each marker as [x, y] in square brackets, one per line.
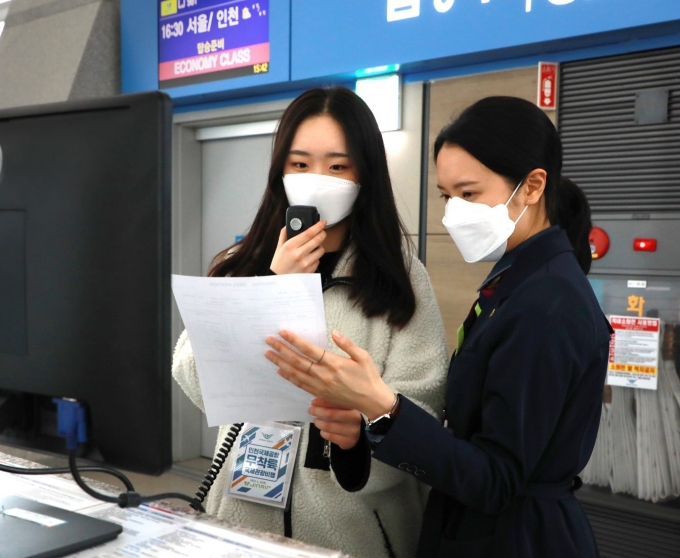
[328, 153]
[388, 509]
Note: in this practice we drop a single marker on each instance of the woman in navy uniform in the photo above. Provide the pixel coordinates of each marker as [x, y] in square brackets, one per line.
[525, 384]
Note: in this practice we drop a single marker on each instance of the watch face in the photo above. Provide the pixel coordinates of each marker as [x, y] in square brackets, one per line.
[380, 427]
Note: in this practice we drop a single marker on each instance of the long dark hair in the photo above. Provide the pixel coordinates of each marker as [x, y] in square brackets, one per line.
[512, 137]
[381, 283]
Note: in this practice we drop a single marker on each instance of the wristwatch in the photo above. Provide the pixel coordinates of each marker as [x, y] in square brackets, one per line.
[377, 429]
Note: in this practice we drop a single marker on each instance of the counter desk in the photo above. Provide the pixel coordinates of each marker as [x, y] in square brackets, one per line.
[158, 530]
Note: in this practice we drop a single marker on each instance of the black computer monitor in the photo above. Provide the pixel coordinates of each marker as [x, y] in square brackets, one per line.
[85, 274]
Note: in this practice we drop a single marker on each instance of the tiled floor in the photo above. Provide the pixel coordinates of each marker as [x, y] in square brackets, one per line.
[184, 477]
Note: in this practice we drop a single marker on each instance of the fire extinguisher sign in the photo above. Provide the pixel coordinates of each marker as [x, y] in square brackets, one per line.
[547, 85]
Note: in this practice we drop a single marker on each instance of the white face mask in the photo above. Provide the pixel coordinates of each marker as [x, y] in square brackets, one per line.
[333, 197]
[480, 231]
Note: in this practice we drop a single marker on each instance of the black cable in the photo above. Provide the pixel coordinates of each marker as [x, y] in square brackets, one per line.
[66, 471]
[81, 483]
[72, 426]
[129, 499]
[216, 466]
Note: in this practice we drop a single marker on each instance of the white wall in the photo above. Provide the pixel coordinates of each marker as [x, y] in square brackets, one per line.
[57, 50]
[403, 156]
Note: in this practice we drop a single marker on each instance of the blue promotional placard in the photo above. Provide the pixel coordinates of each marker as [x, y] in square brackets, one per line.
[209, 40]
[263, 467]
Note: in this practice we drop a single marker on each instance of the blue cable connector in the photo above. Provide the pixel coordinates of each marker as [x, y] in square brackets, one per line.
[71, 421]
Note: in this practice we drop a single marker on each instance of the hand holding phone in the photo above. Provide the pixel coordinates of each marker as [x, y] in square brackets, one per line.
[302, 252]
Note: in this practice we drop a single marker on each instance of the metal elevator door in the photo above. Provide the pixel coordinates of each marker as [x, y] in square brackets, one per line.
[234, 178]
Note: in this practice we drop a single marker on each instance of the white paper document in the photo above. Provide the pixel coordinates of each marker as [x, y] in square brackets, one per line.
[228, 320]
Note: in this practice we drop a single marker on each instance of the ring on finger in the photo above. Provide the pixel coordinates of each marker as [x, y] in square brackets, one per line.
[323, 355]
[311, 363]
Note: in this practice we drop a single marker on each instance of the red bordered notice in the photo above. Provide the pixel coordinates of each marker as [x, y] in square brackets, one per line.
[634, 352]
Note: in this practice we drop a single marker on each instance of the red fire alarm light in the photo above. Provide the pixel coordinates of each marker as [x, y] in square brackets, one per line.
[644, 245]
[599, 242]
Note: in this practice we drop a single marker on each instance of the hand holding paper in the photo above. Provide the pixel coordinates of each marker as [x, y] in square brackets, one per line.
[348, 383]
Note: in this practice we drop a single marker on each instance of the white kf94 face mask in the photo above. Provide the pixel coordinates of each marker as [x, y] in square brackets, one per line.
[480, 231]
[333, 197]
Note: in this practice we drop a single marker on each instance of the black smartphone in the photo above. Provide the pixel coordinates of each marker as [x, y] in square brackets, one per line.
[299, 218]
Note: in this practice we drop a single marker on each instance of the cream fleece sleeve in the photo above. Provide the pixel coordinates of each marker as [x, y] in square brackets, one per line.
[184, 370]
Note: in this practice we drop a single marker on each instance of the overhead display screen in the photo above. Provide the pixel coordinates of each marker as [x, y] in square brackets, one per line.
[209, 40]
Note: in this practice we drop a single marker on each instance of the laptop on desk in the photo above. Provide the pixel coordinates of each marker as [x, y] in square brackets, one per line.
[29, 529]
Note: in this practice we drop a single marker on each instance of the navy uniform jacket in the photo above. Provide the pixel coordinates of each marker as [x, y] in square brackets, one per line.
[523, 403]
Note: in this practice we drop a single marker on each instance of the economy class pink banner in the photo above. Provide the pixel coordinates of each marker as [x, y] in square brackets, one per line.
[214, 62]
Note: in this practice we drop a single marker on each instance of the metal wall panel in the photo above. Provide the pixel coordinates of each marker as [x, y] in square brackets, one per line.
[624, 167]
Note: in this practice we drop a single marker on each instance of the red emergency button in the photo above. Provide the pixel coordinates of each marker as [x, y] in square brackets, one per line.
[599, 242]
[644, 244]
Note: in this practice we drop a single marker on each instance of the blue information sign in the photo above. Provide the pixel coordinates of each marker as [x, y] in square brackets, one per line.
[208, 40]
[335, 37]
